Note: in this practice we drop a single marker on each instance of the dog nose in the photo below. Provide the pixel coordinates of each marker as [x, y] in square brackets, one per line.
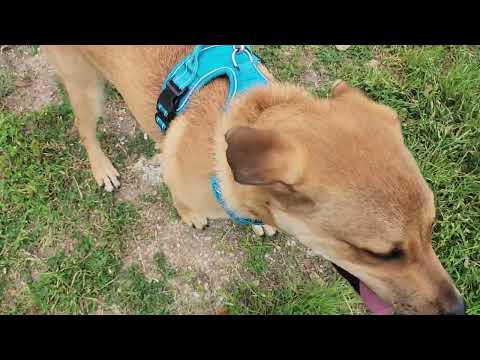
[457, 309]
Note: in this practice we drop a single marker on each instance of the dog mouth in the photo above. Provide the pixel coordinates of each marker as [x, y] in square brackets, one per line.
[376, 305]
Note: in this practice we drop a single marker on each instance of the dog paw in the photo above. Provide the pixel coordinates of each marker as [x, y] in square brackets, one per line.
[264, 230]
[105, 173]
[199, 222]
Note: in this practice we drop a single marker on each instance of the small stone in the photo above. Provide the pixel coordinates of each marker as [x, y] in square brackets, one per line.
[343, 47]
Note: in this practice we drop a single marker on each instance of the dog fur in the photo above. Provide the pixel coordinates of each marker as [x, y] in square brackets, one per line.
[334, 172]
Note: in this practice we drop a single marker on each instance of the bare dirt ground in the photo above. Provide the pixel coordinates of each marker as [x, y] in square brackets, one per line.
[206, 261]
[35, 85]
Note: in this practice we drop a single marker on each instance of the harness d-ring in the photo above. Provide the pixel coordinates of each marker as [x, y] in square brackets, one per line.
[239, 49]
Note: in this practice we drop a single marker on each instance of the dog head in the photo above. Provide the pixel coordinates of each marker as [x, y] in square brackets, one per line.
[336, 174]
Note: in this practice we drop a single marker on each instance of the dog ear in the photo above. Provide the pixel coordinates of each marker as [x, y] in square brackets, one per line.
[262, 157]
[340, 87]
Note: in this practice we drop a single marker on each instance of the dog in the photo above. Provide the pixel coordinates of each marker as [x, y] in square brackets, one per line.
[333, 172]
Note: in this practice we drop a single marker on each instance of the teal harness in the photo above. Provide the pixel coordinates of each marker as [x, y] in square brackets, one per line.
[206, 63]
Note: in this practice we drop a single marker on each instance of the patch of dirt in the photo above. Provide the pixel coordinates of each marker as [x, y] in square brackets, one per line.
[35, 81]
[17, 294]
[203, 265]
[312, 78]
[119, 120]
[49, 245]
[206, 262]
[140, 178]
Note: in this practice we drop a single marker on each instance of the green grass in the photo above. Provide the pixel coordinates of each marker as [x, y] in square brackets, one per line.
[35, 49]
[7, 82]
[166, 198]
[141, 146]
[138, 295]
[74, 284]
[256, 250]
[274, 283]
[304, 298]
[63, 240]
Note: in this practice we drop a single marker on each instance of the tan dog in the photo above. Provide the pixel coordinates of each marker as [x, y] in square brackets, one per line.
[334, 172]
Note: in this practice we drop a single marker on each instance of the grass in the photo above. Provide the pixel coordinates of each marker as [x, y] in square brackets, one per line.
[35, 49]
[256, 250]
[61, 238]
[7, 82]
[138, 145]
[306, 298]
[138, 295]
[276, 283]
[63, 241]
[166, 198]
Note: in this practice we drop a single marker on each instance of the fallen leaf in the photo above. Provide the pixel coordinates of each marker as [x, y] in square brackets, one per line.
[221, 311]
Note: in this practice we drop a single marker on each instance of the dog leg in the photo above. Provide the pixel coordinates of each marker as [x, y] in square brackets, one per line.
[264, 230]
[85, 88]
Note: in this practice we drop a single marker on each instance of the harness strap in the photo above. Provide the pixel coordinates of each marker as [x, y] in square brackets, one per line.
[206, 63]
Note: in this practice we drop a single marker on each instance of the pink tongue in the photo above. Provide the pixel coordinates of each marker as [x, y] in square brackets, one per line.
[373, 302]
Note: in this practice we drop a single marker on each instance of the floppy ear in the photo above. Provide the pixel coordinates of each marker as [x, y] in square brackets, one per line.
[262, 157]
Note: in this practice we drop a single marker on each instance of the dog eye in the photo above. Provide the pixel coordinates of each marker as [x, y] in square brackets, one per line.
[395, 254]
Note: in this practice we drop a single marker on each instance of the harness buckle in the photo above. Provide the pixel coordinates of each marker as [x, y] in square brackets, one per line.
[167, 104]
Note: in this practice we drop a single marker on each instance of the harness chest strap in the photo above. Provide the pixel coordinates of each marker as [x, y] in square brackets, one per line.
[206, 63]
